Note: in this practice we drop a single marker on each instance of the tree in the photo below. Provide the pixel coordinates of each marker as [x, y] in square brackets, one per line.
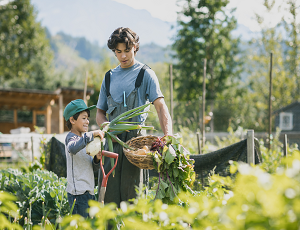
[270, 41]
[292, 42]
[25, 54]
[205, 32]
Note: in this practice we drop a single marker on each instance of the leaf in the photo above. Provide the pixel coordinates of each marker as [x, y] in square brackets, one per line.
[175, 172]
[160, 193]
[170, 155]
[119, 141]
[172, 140]
[133, 111]
[171, 192]
[111, 148]
[157, 158]
[163, 184]
[52, 194]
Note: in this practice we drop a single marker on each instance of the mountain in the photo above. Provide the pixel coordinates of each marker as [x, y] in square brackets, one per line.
[67, 47]
[244, 32]
[97, 19]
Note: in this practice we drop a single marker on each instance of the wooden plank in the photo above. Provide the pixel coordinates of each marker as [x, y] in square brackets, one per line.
[60, 114]
[285, 146]
[199, 143]
[29, 102]
[48, 119]
[34, 118]
[41, 112]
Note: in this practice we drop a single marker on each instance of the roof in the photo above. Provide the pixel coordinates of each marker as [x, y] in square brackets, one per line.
[296, 103]
[30, 99]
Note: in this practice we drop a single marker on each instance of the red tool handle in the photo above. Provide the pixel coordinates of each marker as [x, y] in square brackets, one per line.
[111, 155]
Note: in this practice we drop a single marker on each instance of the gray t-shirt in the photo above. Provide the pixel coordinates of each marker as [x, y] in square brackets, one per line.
[123, 80]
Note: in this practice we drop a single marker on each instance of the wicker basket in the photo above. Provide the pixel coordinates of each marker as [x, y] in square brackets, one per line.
[141, 161]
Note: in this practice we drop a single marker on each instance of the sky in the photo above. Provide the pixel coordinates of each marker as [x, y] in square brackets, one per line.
[166, 10]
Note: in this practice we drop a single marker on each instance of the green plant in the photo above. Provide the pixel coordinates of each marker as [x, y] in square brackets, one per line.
[175, 169]
[8, 210]
[35, 190]
[259, 197]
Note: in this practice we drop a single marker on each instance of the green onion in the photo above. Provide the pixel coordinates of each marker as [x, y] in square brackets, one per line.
[135, 110]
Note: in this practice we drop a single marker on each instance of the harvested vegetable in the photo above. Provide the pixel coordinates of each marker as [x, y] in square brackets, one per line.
[117, 126]
[176, 170]
[94, 146]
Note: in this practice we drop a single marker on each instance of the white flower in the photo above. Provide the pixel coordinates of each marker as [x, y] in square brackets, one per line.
[192, 210]
[123, 206]
[145, 217]
[164, 206]
[93, 211]
[163, 216]
[73, 222]
[264, 178]
[292, 216]
[290, 193]
[217, 210]
[244, 169]
[245, 207]
[228, 195]
[290, 172]
[296, 165]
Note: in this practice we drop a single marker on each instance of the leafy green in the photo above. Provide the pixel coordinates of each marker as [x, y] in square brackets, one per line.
[34, 189]
[176, 172]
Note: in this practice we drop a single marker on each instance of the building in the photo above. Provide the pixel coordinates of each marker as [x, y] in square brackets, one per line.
[288, 120]
[40, 103]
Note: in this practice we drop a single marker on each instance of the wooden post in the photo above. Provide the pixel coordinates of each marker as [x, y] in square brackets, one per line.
[270, 101]
[48, 119]
[199, 143]
[32, 156]
[250, 147]
[34, 118]
[200, 152]
[203, 103]
[171, 92]
[285, 146]
[60, 114]
[85, 87]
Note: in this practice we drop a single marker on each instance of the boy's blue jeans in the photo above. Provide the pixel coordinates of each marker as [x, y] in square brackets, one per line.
[81, 204]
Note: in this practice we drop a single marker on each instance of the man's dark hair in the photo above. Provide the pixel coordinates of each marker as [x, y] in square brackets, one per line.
[123, 35]
[75, 116]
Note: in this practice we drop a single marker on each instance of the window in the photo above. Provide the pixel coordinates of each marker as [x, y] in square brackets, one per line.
[286, 121]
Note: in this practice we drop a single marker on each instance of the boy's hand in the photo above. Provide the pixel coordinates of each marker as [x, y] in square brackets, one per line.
[98, 133]
[97, 157]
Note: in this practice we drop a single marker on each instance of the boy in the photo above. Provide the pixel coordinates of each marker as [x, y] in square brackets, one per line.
[129, 85]
[80, 165]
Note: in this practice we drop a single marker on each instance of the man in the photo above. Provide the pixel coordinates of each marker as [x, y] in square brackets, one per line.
[129, 85]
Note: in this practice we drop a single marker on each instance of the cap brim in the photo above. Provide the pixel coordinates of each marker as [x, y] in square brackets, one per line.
[91, 107]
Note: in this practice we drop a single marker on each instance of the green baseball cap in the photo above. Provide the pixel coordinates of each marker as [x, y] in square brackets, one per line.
[74, 107]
